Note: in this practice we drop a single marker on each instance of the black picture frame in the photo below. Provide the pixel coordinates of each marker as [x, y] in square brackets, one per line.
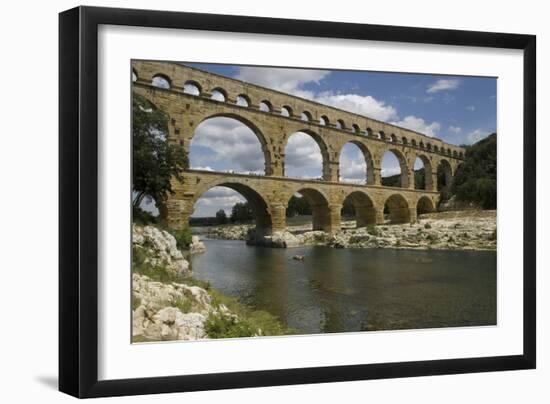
[78, 201]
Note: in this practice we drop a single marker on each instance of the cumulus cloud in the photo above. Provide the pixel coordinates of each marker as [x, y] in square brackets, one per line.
[476, 136]
[360, 104]
[303, 157]
[455, 129]
[443, 85]
[471, 108]
[222, 144]
[419, 125]
[286, 80]
[352, 165]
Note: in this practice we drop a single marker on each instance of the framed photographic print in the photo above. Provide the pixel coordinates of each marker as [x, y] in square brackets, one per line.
[250, 201]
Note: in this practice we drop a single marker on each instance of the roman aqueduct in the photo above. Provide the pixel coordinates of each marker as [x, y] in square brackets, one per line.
[186, 97]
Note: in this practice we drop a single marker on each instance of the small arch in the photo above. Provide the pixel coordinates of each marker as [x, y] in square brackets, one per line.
[413, 142]
[397, 209]
[161, 81]
[286, 111]
[424, 205]
[429, 146]
[265, 106]
[355, 128]
[134, 75]
[192, 87]
[323, 121]
[393, 138]
[361, 206]
[218, 94]
[421, 144]
[404, 140]
[369, 132]
[455, 153]
[340, 124]
[306, 116]
[242, 100]
[381, 135]
[448, 152]
[436, 149]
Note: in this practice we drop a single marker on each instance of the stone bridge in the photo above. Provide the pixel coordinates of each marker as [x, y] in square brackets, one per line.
[190, 96]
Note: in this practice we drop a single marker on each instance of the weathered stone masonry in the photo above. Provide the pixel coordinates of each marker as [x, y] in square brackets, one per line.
[330, 127]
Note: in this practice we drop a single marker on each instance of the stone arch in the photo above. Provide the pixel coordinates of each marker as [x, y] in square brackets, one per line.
[257, 201]
[393, 138]
[363, 205]
[381, 135]
[398, 209]
[324, 121]
[286, 111]
[218, 90]
[192, 87]
[243, 100]
[322, 147]
[306, 116]
[413, 142]
[340, 124]
[320, 210]
[444, 174]
[265, 106]
[261, 137]
[436, 149]
[424, 205]
[369, 132]
[404, 140]
[355, 128]
[367, 155]
[403, 166]
[161, 80]
[427, 164]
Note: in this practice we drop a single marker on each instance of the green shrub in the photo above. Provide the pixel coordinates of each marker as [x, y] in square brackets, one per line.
[427, 226]
[157, 273]
[223, 326]
[183, 236]
[373, 230]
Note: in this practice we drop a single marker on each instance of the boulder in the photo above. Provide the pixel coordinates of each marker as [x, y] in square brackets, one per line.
[196, 246]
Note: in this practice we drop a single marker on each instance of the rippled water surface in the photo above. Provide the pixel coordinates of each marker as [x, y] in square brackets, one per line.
[336, 290]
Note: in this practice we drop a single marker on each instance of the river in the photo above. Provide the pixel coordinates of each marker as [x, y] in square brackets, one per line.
[339, 290]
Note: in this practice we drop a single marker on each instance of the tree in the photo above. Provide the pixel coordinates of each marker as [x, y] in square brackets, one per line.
[242, 212]
[298, 206]
[221, 217]
[155, 161]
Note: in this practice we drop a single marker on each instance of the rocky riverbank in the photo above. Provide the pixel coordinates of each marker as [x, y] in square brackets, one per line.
[168, 304]
[460, 230]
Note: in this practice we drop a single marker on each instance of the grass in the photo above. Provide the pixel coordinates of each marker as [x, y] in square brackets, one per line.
[157, 273]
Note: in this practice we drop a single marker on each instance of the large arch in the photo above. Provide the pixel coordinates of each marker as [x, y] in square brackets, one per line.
[325, 168]
[367, 155]
[365, 211]
[403, 166]
[444, 174]
[256, 200]
[398, 209]
[427, 182]
[261, 138]
[424, 205]
[319, 208]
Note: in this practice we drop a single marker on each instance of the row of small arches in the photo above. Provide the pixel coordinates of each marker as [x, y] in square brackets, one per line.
[220, 95]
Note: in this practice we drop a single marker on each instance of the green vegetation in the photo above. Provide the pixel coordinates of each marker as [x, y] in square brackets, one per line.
[155, 161]
[373, 230]
[158, 273]
[476, 178]
[221, 217]
[242, 213]
[298, 206]
[183, 236]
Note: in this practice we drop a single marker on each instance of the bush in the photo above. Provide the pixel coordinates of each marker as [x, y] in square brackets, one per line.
[183, 237]
[427, 226]
[142, 217]
[223, 326]
[373, 230]
[156, 273]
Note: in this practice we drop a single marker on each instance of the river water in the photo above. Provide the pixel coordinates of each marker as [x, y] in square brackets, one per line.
[338, 290]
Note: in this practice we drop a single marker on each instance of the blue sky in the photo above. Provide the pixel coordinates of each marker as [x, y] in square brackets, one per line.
[456, 109]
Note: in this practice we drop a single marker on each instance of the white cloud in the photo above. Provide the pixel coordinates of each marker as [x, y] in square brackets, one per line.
[352, 165]
[476, 136]
[226, 144]
[419, 125]
[455, 129]
[215, 199]
[285, 80]
[388, 172]
[442, 85]
[471, 108]
[360, 104]
[303, 157]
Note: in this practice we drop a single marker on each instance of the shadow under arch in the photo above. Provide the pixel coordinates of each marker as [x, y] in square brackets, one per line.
[403, 166]
[424, 205]
[256, 201]
[268, 169]
[363, 205]
[444, 174]
[319, 208]
[428, 181]
[398, 209]
[322, 147]
[367, 155]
